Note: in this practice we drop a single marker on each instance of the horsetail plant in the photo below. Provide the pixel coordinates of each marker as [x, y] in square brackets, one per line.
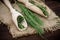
[33, 20]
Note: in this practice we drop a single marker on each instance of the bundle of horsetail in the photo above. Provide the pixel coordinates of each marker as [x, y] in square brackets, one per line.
[41, 7]
[32, 19]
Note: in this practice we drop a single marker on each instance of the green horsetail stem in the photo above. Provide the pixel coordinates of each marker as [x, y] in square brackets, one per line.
[19, 20]
[31, 19]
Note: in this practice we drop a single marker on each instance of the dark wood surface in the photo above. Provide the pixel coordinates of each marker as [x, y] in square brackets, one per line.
[5, 35]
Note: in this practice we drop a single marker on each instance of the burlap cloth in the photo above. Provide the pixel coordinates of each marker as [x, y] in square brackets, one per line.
[51, 23]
